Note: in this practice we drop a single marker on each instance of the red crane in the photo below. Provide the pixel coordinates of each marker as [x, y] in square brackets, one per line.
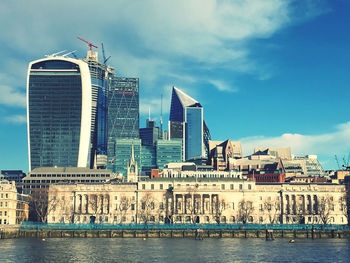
[89, 43]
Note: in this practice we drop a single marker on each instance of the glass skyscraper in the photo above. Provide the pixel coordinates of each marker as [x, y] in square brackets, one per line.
[101, 76]
[123, 112]
[186, 123]
[59, 111]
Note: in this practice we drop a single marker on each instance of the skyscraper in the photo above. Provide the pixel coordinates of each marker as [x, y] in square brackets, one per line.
[59, 112]
[186, 123]
[123, 112]
[101, 76]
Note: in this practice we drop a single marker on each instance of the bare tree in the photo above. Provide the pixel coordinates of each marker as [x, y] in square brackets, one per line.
[324, 206]
[272, 209]
[219, 205]
[246, 209]
[147, 207]
[41, 204]
[345, 205]
[169, 206]
[124, 206]
[192, 204]
[93, 206]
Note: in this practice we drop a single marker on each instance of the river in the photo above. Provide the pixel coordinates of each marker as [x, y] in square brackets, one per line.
[173, 250]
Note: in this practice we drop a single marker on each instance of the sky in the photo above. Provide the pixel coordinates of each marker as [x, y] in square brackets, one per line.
[269, 73]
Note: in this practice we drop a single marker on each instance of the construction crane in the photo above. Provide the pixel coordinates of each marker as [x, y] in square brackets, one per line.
[89, 43]
[104, 56]
[345, 164]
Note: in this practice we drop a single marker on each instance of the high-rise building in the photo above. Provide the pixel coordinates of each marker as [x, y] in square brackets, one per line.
[186, 123]
[123, 113]
[101, 76]
[59, 112]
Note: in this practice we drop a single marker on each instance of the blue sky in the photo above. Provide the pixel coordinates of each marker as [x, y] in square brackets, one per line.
[268, 73]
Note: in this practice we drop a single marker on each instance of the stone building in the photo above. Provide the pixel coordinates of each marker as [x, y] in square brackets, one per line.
[14, 207]
[199, 200]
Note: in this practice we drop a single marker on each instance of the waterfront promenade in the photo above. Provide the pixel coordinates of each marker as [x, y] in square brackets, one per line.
[35, 230]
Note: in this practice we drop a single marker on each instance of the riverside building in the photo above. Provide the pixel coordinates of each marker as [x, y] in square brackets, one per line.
[205, 200]
[14, 207]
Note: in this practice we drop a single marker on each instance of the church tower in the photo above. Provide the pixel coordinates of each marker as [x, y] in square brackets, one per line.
[132, 170]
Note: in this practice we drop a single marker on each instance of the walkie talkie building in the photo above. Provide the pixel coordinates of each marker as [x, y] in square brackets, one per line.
[59, 112]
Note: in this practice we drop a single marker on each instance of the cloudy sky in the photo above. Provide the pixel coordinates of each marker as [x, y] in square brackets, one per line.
[268, 72]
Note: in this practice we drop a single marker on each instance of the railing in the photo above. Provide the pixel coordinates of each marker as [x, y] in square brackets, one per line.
[62, 226]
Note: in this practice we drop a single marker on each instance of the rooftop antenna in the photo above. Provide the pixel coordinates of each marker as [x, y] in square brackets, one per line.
[89, 43]
[161, 112]
[55, 54]
[72, 52]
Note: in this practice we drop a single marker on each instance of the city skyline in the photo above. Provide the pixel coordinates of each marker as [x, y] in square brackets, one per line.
[270, 73]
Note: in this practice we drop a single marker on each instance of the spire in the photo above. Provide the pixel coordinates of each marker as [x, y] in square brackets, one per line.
[132, 160]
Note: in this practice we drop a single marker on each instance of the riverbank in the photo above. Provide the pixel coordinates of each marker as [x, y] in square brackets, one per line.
[155, 233]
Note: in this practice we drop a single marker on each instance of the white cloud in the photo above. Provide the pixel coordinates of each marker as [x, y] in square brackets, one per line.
[327, 144]
[222, 86]
[148, 37]
[17, 119]
[11, 97]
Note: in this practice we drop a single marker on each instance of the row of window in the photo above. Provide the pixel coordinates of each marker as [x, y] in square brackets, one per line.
[223, 186]
[70, 175]
[3, 204]
[2, 195]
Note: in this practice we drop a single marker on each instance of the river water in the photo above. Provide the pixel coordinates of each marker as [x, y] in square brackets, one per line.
[173, 250]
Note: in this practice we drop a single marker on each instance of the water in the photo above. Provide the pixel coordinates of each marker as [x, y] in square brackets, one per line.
[173, 250]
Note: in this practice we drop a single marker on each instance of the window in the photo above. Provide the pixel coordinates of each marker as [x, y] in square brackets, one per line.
[233, 206]
[0, 213]
[5, 213]
[222, 187]
[240, 186]
[261, 207]
[143, 186]
[169, 186]
[249, 187]
[152, 186]
[161, 218]
[152, 205]
[161, 206]
[143, 206]
[6, 195]
[115, 197]
[0, 204]
[161, 186]
[232, 219]
[231, 186]
[2, 195]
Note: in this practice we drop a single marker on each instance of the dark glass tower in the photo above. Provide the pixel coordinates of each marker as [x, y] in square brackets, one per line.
[186, 123]
[123, 112]
[59, 110]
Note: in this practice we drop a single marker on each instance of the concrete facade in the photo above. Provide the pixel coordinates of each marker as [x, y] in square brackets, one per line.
[205, 200]
[14, 207]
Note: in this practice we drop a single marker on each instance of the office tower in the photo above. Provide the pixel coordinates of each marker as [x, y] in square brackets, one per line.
[168, 151]
[101, 76]
[186, 123]
[59, 112]
[151, 133]
[123, 112]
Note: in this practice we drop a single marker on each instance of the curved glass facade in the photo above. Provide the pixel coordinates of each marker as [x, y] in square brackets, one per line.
[54, 113]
